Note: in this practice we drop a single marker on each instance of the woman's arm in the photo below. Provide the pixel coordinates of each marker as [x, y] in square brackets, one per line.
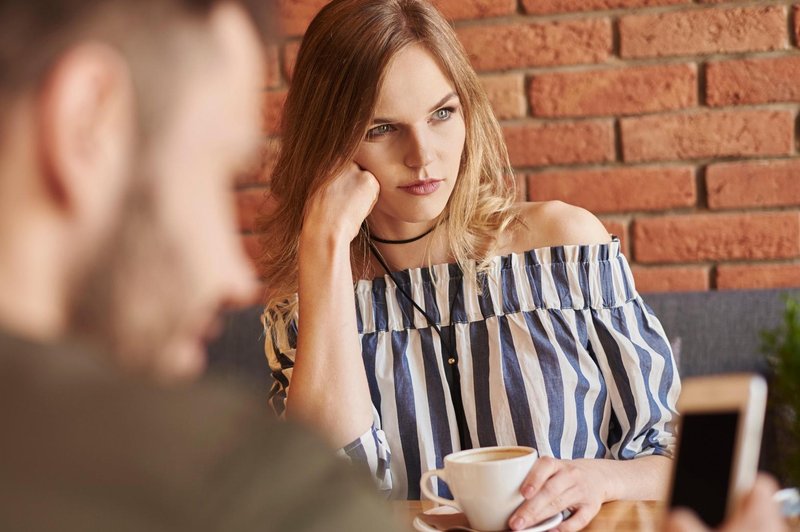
[584, 485]
[635, 361]
[329, 389]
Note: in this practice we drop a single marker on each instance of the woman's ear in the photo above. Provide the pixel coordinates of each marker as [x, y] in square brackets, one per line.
[86, 129]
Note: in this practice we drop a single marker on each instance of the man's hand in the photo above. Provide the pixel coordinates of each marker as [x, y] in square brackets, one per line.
[758, 511]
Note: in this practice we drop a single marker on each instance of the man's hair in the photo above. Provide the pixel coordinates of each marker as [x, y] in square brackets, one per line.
[35, 33]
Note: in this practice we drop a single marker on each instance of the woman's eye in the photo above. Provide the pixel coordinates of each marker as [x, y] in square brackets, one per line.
[379, 131]
[443, 114]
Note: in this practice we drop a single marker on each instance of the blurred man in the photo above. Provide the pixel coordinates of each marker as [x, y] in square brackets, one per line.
[122, 124]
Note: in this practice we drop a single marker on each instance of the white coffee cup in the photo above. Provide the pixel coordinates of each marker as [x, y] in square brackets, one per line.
[485, 483]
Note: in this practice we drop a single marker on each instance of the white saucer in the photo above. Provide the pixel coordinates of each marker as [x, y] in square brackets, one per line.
[421, 526]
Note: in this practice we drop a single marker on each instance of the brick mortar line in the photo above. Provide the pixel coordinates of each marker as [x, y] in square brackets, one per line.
[623, 217]
[702, 84]
[758, 209]
[712, 278]
[765, 262]
[788, 106]
[612, 165]
[797, 131]
[616, 38]
[701, 186]
[682, 213]
[526, 89]
[711, 266]
[672, 163]
[543, 121]
[619, 12]
[616, 63]
[676, 212]
[533, 120]
[738, 262]
[686, 111]
[619, 149]
[665, 265]
[703, 263]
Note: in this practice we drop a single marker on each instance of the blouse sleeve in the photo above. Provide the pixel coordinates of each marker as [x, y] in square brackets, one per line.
[370, 450]
[642, 380]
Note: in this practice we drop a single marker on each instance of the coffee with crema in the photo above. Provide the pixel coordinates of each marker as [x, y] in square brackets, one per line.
[490, 455]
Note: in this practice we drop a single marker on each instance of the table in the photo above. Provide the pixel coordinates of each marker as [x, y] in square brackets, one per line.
[619, 516]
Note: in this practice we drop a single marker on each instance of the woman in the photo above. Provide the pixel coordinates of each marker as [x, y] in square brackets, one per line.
[500, 323]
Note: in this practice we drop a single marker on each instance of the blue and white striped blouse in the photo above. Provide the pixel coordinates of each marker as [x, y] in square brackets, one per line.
[556, 351]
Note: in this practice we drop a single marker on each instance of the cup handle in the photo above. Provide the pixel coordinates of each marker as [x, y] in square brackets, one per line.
[424, 484]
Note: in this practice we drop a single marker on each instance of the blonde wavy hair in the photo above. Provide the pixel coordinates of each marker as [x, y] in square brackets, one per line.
[340, 66]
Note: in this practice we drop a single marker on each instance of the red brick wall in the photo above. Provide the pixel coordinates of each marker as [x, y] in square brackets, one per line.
[672, 120]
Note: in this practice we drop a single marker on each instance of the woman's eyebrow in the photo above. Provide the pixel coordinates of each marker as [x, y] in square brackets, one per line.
[441, 102]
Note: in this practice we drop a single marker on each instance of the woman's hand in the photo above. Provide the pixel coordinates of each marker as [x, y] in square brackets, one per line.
[583, 485]
[340, 207]
[553, 486]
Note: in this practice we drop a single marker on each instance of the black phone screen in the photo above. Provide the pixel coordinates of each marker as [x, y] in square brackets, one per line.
[705, 459]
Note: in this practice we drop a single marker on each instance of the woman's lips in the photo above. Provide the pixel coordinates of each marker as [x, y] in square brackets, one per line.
[423, 188]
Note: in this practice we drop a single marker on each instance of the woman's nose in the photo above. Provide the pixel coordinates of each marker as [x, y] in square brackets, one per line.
[419, 153]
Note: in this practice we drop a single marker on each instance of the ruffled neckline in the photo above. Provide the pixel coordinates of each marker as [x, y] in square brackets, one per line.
[535, 257]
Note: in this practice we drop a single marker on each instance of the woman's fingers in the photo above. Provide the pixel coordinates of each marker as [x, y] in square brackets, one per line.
[558, 493]
[556, 485]
[561, 490]
[580, 518]
[544, 468]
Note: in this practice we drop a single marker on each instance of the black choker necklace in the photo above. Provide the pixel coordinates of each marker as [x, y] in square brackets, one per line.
[406, 241]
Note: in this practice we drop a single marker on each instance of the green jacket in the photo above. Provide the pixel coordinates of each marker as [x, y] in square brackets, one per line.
[85, 448]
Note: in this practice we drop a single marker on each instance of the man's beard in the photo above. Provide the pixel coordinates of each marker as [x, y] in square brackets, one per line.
[131, 298]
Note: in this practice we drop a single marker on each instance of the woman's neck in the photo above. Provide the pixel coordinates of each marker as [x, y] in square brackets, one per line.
[430, 249]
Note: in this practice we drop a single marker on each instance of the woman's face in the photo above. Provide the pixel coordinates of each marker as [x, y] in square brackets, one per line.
[413, 145]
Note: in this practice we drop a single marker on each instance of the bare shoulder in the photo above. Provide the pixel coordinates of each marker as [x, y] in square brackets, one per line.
[553, 223]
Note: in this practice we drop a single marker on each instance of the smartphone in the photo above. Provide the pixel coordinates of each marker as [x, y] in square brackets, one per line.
[719, 439]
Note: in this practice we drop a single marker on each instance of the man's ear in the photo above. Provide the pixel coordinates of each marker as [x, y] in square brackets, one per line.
[86, 128]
